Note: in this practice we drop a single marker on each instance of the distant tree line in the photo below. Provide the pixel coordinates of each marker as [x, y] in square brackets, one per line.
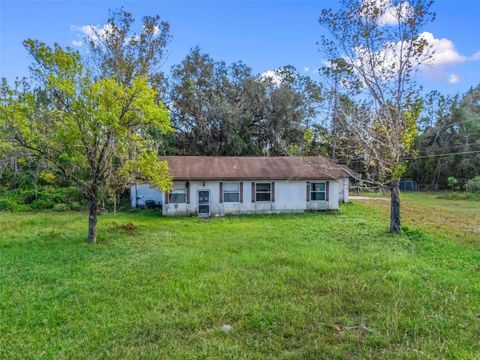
[449, 140]
[369, 115]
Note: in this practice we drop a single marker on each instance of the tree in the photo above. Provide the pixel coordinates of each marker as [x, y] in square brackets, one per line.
[117, 52]
[220, 109]
[382, 45]
[340, 85]
[91, 130]
[449, 143]
[453, 183]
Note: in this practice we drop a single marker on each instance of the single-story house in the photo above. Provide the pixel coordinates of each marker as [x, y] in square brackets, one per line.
[210, 185]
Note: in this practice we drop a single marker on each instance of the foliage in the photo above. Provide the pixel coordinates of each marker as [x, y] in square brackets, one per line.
[449, 142]
[226, 110]
[153, 171]
[473, 185]
[453, 183]
[121, 54]
[382, 59]
[86, 128]
[11, 204]
[60, 207]
[41, 198]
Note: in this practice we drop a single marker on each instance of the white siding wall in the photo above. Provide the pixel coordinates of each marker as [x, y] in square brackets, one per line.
[143, 192]
[344, 189]
[290, 196]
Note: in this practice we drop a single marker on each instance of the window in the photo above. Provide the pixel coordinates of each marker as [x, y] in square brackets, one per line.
[263, 192]
[178, 197]
[231, 192]
[318, 191]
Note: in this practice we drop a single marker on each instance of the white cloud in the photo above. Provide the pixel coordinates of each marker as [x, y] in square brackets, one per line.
[393, 14]
[156, 30]
[96, 32]
[306, 69]
[444, 51]
[93, 32]
[133, 37]
[389, 14]
[271, 75]
[445, 55]
[453, 79]
[441, 75]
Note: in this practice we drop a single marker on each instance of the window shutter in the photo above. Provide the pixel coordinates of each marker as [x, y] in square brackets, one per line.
[273, 191]
[166, 198]
[221, 193]
[241, 192]
[327, 187]
[308, 191]
[253, 192]
[187, 185]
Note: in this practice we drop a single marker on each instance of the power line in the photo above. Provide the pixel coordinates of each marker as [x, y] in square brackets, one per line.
[440, 146]
[417, 157]
[449, 154]
[447, 123]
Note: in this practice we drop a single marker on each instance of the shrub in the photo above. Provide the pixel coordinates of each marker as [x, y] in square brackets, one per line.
[75, 206]
[45, 197]
[473, 185]
[42, 203]
[11, 204]
[453, 183]
[61, 207]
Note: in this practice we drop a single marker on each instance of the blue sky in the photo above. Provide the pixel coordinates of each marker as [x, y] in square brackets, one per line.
[263, 34]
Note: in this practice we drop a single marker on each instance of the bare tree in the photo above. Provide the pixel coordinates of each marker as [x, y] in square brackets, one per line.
[382, 44]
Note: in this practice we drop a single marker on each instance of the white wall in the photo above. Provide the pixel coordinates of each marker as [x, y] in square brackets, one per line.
[290, 196]
[144, 192]
[344, 188]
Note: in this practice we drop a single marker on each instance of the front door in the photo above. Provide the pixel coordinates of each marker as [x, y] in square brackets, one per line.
[204, 202]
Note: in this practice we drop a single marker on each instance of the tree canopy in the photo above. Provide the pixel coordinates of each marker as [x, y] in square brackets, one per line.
[93, 131]
[220, 109]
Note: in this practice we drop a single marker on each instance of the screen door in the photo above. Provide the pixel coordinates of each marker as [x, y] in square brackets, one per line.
[203, 202]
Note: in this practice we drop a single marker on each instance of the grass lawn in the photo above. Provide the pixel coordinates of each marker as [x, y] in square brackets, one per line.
[315, 286]
[434, 212]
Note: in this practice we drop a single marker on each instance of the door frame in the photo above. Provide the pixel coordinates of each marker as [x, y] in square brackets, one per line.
[198, 202]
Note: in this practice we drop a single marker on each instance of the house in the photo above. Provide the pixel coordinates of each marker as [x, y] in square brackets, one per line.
[210, 185]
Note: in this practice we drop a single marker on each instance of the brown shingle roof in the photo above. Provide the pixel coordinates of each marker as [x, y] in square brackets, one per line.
[253, 168]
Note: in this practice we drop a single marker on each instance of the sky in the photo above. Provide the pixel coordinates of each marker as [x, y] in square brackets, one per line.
[263, 34]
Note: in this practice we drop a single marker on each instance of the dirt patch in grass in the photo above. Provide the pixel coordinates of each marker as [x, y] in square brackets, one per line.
[129, 228]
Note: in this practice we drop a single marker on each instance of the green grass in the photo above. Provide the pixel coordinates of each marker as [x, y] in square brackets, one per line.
[438, 214]
[315, 286]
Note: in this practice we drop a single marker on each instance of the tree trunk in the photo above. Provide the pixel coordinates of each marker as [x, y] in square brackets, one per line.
[334, 121]
[92, 221]
[395, 207]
